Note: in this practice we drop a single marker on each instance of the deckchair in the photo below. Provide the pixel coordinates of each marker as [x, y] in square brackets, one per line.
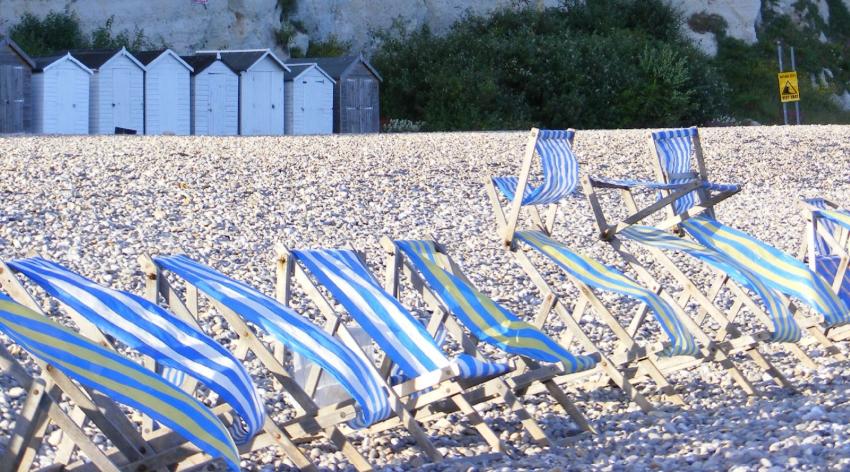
[179, 346]
[65, 356]
[422, 364]
[374, 402]
[440, 282]
[824, 247]
[559, 179]
[675, 152]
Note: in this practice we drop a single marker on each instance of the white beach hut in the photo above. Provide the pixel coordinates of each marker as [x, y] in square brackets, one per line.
[214, 96]
[60, 92]
[309, 99]
[167, 78]
[116, 102]
[261, 100]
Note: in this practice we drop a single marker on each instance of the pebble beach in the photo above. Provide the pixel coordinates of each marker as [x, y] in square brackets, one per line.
[95, 204]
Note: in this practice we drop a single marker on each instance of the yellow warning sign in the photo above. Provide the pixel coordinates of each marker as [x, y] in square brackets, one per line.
[789, 90]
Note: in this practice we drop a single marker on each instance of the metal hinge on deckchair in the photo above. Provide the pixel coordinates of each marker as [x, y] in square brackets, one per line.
[560, 174]
[105, 315]
[404, 340]
[106, 377]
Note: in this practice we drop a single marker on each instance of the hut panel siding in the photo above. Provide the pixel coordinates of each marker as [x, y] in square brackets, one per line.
[61, 101]
[261, 99]
[357, 96]
[38, 100]
[128, 98]
[168, 77]
[289, 100]
[201, 101]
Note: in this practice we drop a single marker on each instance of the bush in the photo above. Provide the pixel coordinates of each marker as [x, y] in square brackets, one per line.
[606, 63]
[331, 47]
[61, 31]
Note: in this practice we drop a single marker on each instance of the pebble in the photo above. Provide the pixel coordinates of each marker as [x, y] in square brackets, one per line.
[227, 201]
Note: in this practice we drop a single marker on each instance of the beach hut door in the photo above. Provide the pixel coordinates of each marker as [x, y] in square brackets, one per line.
[120, 98]
[11, 99]
[65, 98]
[216, 104]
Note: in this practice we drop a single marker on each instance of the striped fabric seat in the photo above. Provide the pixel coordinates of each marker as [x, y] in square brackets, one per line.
[776, 269]
[118, 378]
[356, 376]
[486, 319]
[560, 170]
[826, 261]
[395, 329]
[675, 150]
[785, 328]
[154, 332]
[600, 276]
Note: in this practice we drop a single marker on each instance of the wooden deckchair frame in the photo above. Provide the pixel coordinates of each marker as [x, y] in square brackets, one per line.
[311, 419]
[531, 377]
[704, 204]
[460, 394]
[629, 354]
[837, 242]
[132, 449]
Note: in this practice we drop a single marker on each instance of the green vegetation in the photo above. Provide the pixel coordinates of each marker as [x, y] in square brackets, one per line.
[331, 47]
[61, 31]
[608, 64]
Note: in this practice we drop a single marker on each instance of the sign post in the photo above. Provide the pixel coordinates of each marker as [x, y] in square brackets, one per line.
[789, 87]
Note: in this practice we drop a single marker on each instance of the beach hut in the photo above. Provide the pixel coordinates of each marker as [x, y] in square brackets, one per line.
[167, 90]
[116, 102]
[261, 76]
[308, 98]
[214, 96]
[60, 95]
[15, 88]
[357, 107]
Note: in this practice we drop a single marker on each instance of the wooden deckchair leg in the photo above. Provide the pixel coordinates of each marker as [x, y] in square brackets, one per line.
[661, 381]
[66, 448]
[528, 422]
[501, 220]
[30, 425]
[477, 422]
[567, 404]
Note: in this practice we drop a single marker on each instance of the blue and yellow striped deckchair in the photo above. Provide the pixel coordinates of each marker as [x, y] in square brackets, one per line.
[117, 377]
[403, 338]
[675, 150]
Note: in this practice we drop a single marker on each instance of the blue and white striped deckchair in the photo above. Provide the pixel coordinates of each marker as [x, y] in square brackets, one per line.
[399, 334]
[356, 375]
[595, 274]
[117, 377]
[154, 332]
[824, 257]
[487, 320]
[675, 150]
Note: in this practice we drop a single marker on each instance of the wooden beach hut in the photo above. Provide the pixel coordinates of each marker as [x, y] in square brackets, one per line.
[214, 96]
[357, 107]
[167, 91]
[308, 98]
[60, 95]
[261, 100]
[15, 88]
[116, 102]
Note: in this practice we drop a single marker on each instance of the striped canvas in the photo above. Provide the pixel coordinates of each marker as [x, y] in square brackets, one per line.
[825, 261]
[154, 332]
[118, 378]
[355, 374]
[397, 332]
[785, 328]
[560, 170]
[776, 269]
[486, 319]
[602, 277]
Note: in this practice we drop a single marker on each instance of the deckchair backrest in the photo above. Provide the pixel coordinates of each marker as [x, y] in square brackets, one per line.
[152, 331]
[821, 246]
[401, 336]
[559, 167]
[675, 151]
[119, 378]
[487, 320]
[299, 334]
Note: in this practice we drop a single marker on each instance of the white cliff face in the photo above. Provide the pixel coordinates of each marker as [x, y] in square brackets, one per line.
[181, 24]
[187, 26]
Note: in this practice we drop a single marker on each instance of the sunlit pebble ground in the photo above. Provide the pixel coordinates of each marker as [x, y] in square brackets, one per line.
[96, 203]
